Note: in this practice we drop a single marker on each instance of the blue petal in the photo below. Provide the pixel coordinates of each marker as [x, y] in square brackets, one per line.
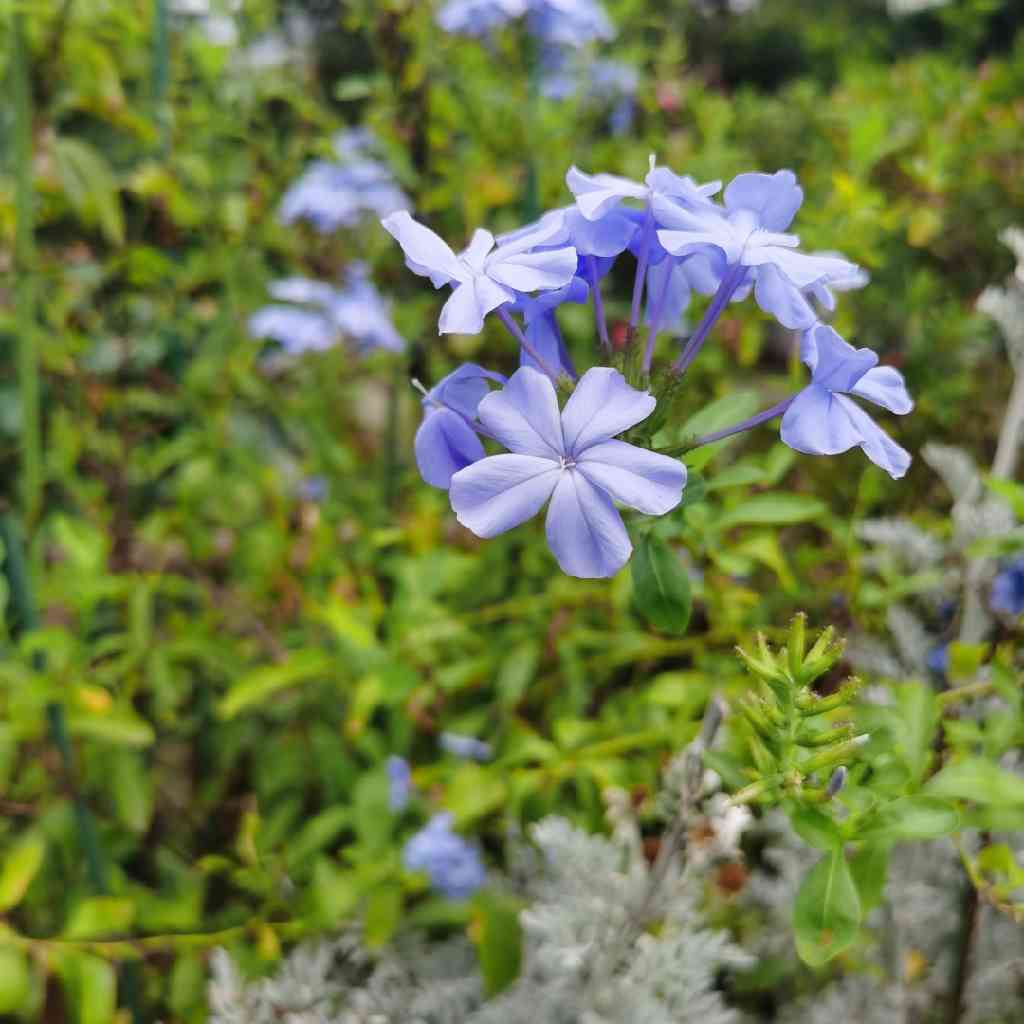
[777, 295]
[543, 333]
[500, 492]
[885, 386]
[644, 480]
[445, 443]
[524, 416]
[469, 303]
[598, 194]
[838, 366]
[298, 330]
[533, 271]
[425, 253]
[463, 388]
[584, 529]
[601, 406]
[775, 198]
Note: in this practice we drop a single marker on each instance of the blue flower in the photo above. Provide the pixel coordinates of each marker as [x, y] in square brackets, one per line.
[447, 438]
[452, 865]
[479, 17]
[937, 659]
[821, 420]
[1008, 589]
[331, 195]
[747, 242]
[571, 458]
[481, 280]
[467, 747]
[597, 195]
[568, 22]
[399, 782]
[323, 314]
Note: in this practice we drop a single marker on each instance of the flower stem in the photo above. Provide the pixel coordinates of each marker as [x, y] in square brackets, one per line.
[641, 267]
[24, 279]
[517, 333]
[655, 325]
[756, 420]
[595, 293]
[730, 282]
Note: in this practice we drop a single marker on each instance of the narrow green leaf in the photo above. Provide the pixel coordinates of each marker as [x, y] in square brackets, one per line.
[911, 817]
[383, 912]
[827, 913]
[98, 917]
[15, 980]
[661, 586]
[500, 940]
[264, 682]
[773, 510]
[816, 828]
[869, 869]
[984, 782]
[20, 866]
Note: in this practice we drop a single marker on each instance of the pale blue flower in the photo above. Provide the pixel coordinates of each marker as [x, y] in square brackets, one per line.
[569, 457]
[452, 864]
[1008, 589]
[479, 17]
[747, 242]
[467, 747]
[323, 315]
[568, 22]
[482, 280]
[447, 438]
[822, 420]
[399, 782]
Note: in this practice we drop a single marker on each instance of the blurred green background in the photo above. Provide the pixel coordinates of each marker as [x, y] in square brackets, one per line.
[233, 660]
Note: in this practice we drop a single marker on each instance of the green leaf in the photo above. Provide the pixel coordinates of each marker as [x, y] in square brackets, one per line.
[333, 894]
[911, 817]
[98, 917]
[500, 940]
[475, 791]
[90, 987]
[661, 586]
[118, 726]
[869, 869]
[89, 185]
[321, 830]
[974, 778]
[263, 683]
[15, 980]
[21, 865]
[918, 716]
[816, 828]
[773, 510]
[383, 912]
[827, 913]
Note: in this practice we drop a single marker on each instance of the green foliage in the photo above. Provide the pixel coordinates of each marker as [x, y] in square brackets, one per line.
[234, 662]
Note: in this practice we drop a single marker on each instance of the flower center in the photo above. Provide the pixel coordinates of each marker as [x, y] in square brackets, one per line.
[566, 462]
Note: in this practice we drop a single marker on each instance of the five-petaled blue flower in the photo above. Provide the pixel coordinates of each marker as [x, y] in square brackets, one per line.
[747, 243]
[571, 458]
[1008, 589]
[482, 279]
[452, 864]
[821, 420]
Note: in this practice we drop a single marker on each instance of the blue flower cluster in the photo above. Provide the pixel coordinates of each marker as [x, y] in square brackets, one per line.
[552, 22]
[451, 863]
[318, 315]
[569, 456]
[334, 194]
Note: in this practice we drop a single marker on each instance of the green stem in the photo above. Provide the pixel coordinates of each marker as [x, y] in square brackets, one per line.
[24, 277]
[161, 73]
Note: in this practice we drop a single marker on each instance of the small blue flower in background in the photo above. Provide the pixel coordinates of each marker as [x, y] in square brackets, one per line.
[571, 458]
[821, 420]
[481, 279]
[1007, 594]
[748, 244]
[937, 659]
[447, 438]
[313, 489]
[323, 315]
[331, 195]
[399, 782]
[479, 17]
[562, 22]
[452, 864]
[568, 22]
[467, 747]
